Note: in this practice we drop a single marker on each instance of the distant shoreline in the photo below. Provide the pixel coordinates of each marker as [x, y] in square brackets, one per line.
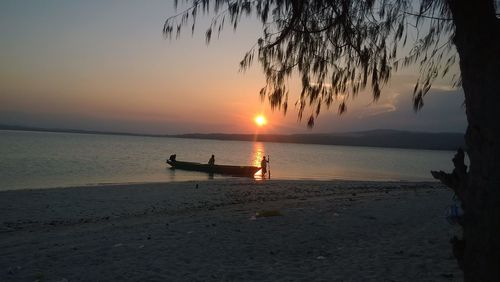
[382, 138]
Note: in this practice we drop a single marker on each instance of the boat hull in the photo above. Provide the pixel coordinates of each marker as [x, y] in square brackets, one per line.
[247, 171]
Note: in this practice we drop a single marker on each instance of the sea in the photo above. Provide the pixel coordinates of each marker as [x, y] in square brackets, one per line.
[32, 160]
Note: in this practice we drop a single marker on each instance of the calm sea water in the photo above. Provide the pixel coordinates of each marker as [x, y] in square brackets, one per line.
[42, 159]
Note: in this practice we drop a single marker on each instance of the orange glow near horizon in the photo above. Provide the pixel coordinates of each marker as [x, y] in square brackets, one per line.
[260, 120]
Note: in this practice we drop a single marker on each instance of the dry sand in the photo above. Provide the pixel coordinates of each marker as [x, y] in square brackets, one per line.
[327, 231]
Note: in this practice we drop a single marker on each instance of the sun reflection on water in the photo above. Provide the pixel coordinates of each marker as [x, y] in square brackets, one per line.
[257, 153]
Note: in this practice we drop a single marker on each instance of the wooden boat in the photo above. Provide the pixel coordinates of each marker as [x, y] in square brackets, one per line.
[233, 170]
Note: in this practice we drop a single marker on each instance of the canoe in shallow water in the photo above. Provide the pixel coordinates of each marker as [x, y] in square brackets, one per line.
[233, 170]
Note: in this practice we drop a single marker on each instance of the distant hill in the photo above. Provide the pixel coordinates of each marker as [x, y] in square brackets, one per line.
[373, 138]
[78, 131]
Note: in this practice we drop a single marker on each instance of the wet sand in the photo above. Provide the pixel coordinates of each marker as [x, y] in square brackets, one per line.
[218, 231]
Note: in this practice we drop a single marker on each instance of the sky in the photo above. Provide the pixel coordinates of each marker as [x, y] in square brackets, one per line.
[106, 66]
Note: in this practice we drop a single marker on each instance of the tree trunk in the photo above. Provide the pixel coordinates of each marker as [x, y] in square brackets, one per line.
[477, 40]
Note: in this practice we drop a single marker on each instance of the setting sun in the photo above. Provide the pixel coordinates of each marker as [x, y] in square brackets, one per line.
[260, 120]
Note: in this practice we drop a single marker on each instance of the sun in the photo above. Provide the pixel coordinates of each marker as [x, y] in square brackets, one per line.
[260, 120]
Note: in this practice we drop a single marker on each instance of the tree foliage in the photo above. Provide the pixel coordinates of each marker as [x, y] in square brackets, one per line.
[336, 47]
[340, 47]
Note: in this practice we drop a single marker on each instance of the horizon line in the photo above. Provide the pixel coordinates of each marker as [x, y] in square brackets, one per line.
[91, 131]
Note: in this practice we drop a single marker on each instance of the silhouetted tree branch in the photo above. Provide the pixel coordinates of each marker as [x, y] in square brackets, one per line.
[340, 47]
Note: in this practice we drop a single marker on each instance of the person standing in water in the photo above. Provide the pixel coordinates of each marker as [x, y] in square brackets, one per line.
[263, 165]
[211, 161]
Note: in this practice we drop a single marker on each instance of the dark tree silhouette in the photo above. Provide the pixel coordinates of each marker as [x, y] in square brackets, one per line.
[339, 47]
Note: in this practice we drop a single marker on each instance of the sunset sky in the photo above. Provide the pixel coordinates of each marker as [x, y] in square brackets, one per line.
[105, 65]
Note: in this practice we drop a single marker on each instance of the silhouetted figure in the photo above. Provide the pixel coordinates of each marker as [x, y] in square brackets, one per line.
[172, 157]
[212, 160]
[263, 165]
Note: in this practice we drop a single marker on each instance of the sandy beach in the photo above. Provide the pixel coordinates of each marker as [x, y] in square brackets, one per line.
[229, 230]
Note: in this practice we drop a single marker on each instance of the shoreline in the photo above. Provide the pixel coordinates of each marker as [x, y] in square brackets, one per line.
[215, 181]
[210, 231]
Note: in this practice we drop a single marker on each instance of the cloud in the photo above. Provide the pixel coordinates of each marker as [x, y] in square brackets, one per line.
[443, 111]
[443, 88]
[385, 105]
